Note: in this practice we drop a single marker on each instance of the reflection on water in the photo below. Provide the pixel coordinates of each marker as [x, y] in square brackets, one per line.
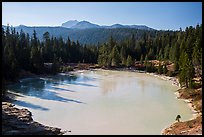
[108, 85]
[101, 102]
[44, 88]
[29, 105]
[142, 83]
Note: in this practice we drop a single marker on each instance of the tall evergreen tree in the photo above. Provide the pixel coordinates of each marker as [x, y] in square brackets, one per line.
[129, 61]
[115, 57]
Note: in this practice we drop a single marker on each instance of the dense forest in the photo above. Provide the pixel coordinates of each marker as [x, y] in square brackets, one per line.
[84, 36]
[183, 48]
[20, 51]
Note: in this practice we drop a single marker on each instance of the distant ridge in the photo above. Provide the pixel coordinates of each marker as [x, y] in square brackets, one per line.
[74, 24]
[86, 32]
[69, 23]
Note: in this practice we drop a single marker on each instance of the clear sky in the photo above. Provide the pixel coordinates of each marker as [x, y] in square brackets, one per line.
[158, 15]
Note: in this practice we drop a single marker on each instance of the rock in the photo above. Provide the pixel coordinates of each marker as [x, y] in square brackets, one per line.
[183, 132]
[19, 122]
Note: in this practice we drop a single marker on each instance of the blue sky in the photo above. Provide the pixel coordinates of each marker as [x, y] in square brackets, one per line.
[158, 15]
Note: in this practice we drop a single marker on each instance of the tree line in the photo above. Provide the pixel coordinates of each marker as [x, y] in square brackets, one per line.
[24, 52]
[183, 48]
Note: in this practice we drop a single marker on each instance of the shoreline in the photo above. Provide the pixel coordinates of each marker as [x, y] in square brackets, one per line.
[17, 121]
[173, 80]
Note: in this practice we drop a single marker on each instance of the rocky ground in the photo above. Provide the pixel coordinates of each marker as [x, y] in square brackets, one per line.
[19, 122]
[191, 127]
[193, 97]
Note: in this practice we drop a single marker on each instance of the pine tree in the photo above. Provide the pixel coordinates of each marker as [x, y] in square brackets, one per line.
[196, 54]
[115, 57]
[102, 56]
[35, 55]
[111, 42]
[129, 61]
[186, 70]
[123, 54]
[124, 61]
[56, 65]
[146, 60]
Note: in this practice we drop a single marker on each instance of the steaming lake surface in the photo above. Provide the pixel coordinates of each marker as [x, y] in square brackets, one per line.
[102, 102]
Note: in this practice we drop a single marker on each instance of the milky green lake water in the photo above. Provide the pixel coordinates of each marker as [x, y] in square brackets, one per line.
[102, 102]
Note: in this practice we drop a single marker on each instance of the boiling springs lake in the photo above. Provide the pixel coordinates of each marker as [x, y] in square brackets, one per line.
[101, 102]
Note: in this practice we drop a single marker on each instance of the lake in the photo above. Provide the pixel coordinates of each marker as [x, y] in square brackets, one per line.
[102, 102]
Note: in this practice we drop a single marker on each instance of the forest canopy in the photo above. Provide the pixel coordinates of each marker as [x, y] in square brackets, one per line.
[184, 48]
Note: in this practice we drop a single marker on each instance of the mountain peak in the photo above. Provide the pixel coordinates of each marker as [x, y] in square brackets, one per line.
[74, 24]
[70, 23]
[85, 25]
[84, 21]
